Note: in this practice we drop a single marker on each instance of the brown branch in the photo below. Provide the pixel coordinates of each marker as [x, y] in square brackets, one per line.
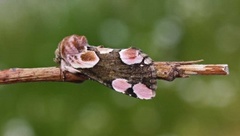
[165, 70]
[19, 75]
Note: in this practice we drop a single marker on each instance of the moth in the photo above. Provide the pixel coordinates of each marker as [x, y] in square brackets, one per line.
[128, 71]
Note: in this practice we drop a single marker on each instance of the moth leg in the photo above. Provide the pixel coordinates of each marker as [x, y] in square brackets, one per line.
[64, 68]
[63, 74]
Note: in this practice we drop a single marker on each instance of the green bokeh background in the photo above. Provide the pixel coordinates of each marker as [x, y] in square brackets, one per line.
[167, 30]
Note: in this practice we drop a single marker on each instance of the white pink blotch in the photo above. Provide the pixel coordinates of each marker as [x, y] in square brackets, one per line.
[143, 92]
[103, 50]
[130, 56]
[120, 85]
[87, 59]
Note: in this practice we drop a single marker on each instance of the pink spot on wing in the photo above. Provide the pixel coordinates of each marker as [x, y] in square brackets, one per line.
[130, 56]
[120, 85]
[86, 59]
[143, 92]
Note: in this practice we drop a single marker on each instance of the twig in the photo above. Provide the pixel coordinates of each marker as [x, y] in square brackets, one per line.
[20, 75]
[165, 70]
[171, 70]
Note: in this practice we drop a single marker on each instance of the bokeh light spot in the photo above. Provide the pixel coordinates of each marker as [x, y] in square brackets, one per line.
[227, 38]
[93, 119]
[114, 32]
[18, 127]
[167, 33]
[216, 93]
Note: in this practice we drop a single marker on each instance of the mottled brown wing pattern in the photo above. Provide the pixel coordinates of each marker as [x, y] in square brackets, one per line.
[128, 71]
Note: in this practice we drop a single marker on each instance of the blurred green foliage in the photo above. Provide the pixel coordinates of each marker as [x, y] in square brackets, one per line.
[167, 30]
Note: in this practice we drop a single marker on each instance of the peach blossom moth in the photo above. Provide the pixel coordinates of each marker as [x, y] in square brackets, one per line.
[128, 71]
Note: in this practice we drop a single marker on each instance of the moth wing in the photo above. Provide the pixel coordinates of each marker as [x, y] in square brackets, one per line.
[136, 80]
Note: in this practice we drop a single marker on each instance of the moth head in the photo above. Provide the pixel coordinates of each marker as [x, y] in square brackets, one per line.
[71, 45]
